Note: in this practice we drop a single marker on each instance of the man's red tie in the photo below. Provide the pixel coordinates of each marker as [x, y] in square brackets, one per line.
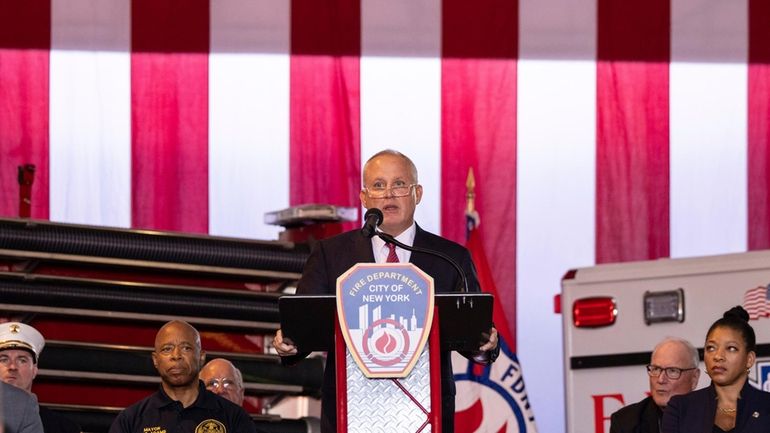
[392, 257]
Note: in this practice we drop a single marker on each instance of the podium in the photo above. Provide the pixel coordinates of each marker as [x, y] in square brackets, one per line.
[409, 404]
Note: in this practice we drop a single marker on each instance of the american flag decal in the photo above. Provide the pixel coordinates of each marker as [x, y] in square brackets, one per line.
[757, 302]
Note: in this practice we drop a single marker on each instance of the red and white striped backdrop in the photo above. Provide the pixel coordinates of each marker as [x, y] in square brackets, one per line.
[599, 130]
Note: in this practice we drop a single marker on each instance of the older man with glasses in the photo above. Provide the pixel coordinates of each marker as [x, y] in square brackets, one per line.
[673, 370]
[390, 184]
[222, 378]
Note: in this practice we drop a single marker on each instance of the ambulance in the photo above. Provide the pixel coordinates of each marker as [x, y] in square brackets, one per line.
[615, 314]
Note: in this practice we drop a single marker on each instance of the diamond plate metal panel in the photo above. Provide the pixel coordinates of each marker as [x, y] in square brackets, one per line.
[380, 406]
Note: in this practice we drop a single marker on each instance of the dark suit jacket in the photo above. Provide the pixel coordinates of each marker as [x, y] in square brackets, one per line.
[694, 412]
[331, 257]
[641, 417]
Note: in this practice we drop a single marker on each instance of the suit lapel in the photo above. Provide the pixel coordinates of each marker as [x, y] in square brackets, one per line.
[745, 407]
[649, 418]
[421, 260]
[362, 249]
[444, 276]
[710, 409]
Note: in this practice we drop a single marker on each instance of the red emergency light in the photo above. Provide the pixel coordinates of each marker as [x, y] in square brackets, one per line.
[594, 312]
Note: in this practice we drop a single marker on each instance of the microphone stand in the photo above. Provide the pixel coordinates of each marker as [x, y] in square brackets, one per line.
[479, 357]
[390, 239]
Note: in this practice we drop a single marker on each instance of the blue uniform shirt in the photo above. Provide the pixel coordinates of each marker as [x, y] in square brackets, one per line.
[158, 413]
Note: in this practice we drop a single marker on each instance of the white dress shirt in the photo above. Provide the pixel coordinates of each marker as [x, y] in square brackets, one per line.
[381, 250]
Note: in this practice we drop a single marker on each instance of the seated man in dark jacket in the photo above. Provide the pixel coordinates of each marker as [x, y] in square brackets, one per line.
[673, 370]
[182, 403]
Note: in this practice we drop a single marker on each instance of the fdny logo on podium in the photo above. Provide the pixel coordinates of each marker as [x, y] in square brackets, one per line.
[385, 312]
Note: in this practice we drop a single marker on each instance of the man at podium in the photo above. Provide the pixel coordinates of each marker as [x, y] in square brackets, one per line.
[391, 185]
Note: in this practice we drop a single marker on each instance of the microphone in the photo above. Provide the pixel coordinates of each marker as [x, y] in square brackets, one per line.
[390, 239]
[372, 219]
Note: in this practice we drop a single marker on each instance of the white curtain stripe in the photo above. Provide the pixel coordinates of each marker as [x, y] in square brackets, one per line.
[555, 185]
[708, 127]
[248, 116]
[401, 91]
[90, 102]
[555, 217]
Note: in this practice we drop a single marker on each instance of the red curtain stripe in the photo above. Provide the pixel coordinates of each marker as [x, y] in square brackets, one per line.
[632, 143]
[169, 114]
[478, 129]
[324, 122]
[759, 125]
[25, 42]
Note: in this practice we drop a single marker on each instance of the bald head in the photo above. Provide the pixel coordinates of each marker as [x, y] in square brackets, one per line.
[176, 327]
[411, 168]
[178, 355]
[222, 378]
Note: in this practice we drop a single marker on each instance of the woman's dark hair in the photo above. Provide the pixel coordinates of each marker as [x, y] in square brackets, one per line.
[737, 319]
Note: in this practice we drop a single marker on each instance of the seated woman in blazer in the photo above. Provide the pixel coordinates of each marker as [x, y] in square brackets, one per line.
[730, 403]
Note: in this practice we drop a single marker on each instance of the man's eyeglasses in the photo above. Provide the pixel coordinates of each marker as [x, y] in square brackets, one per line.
[671, 372]
[220, 383]
[395, 191]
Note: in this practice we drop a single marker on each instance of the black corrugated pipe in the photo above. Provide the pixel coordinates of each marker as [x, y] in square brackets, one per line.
[138, 298]
[41, 236]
